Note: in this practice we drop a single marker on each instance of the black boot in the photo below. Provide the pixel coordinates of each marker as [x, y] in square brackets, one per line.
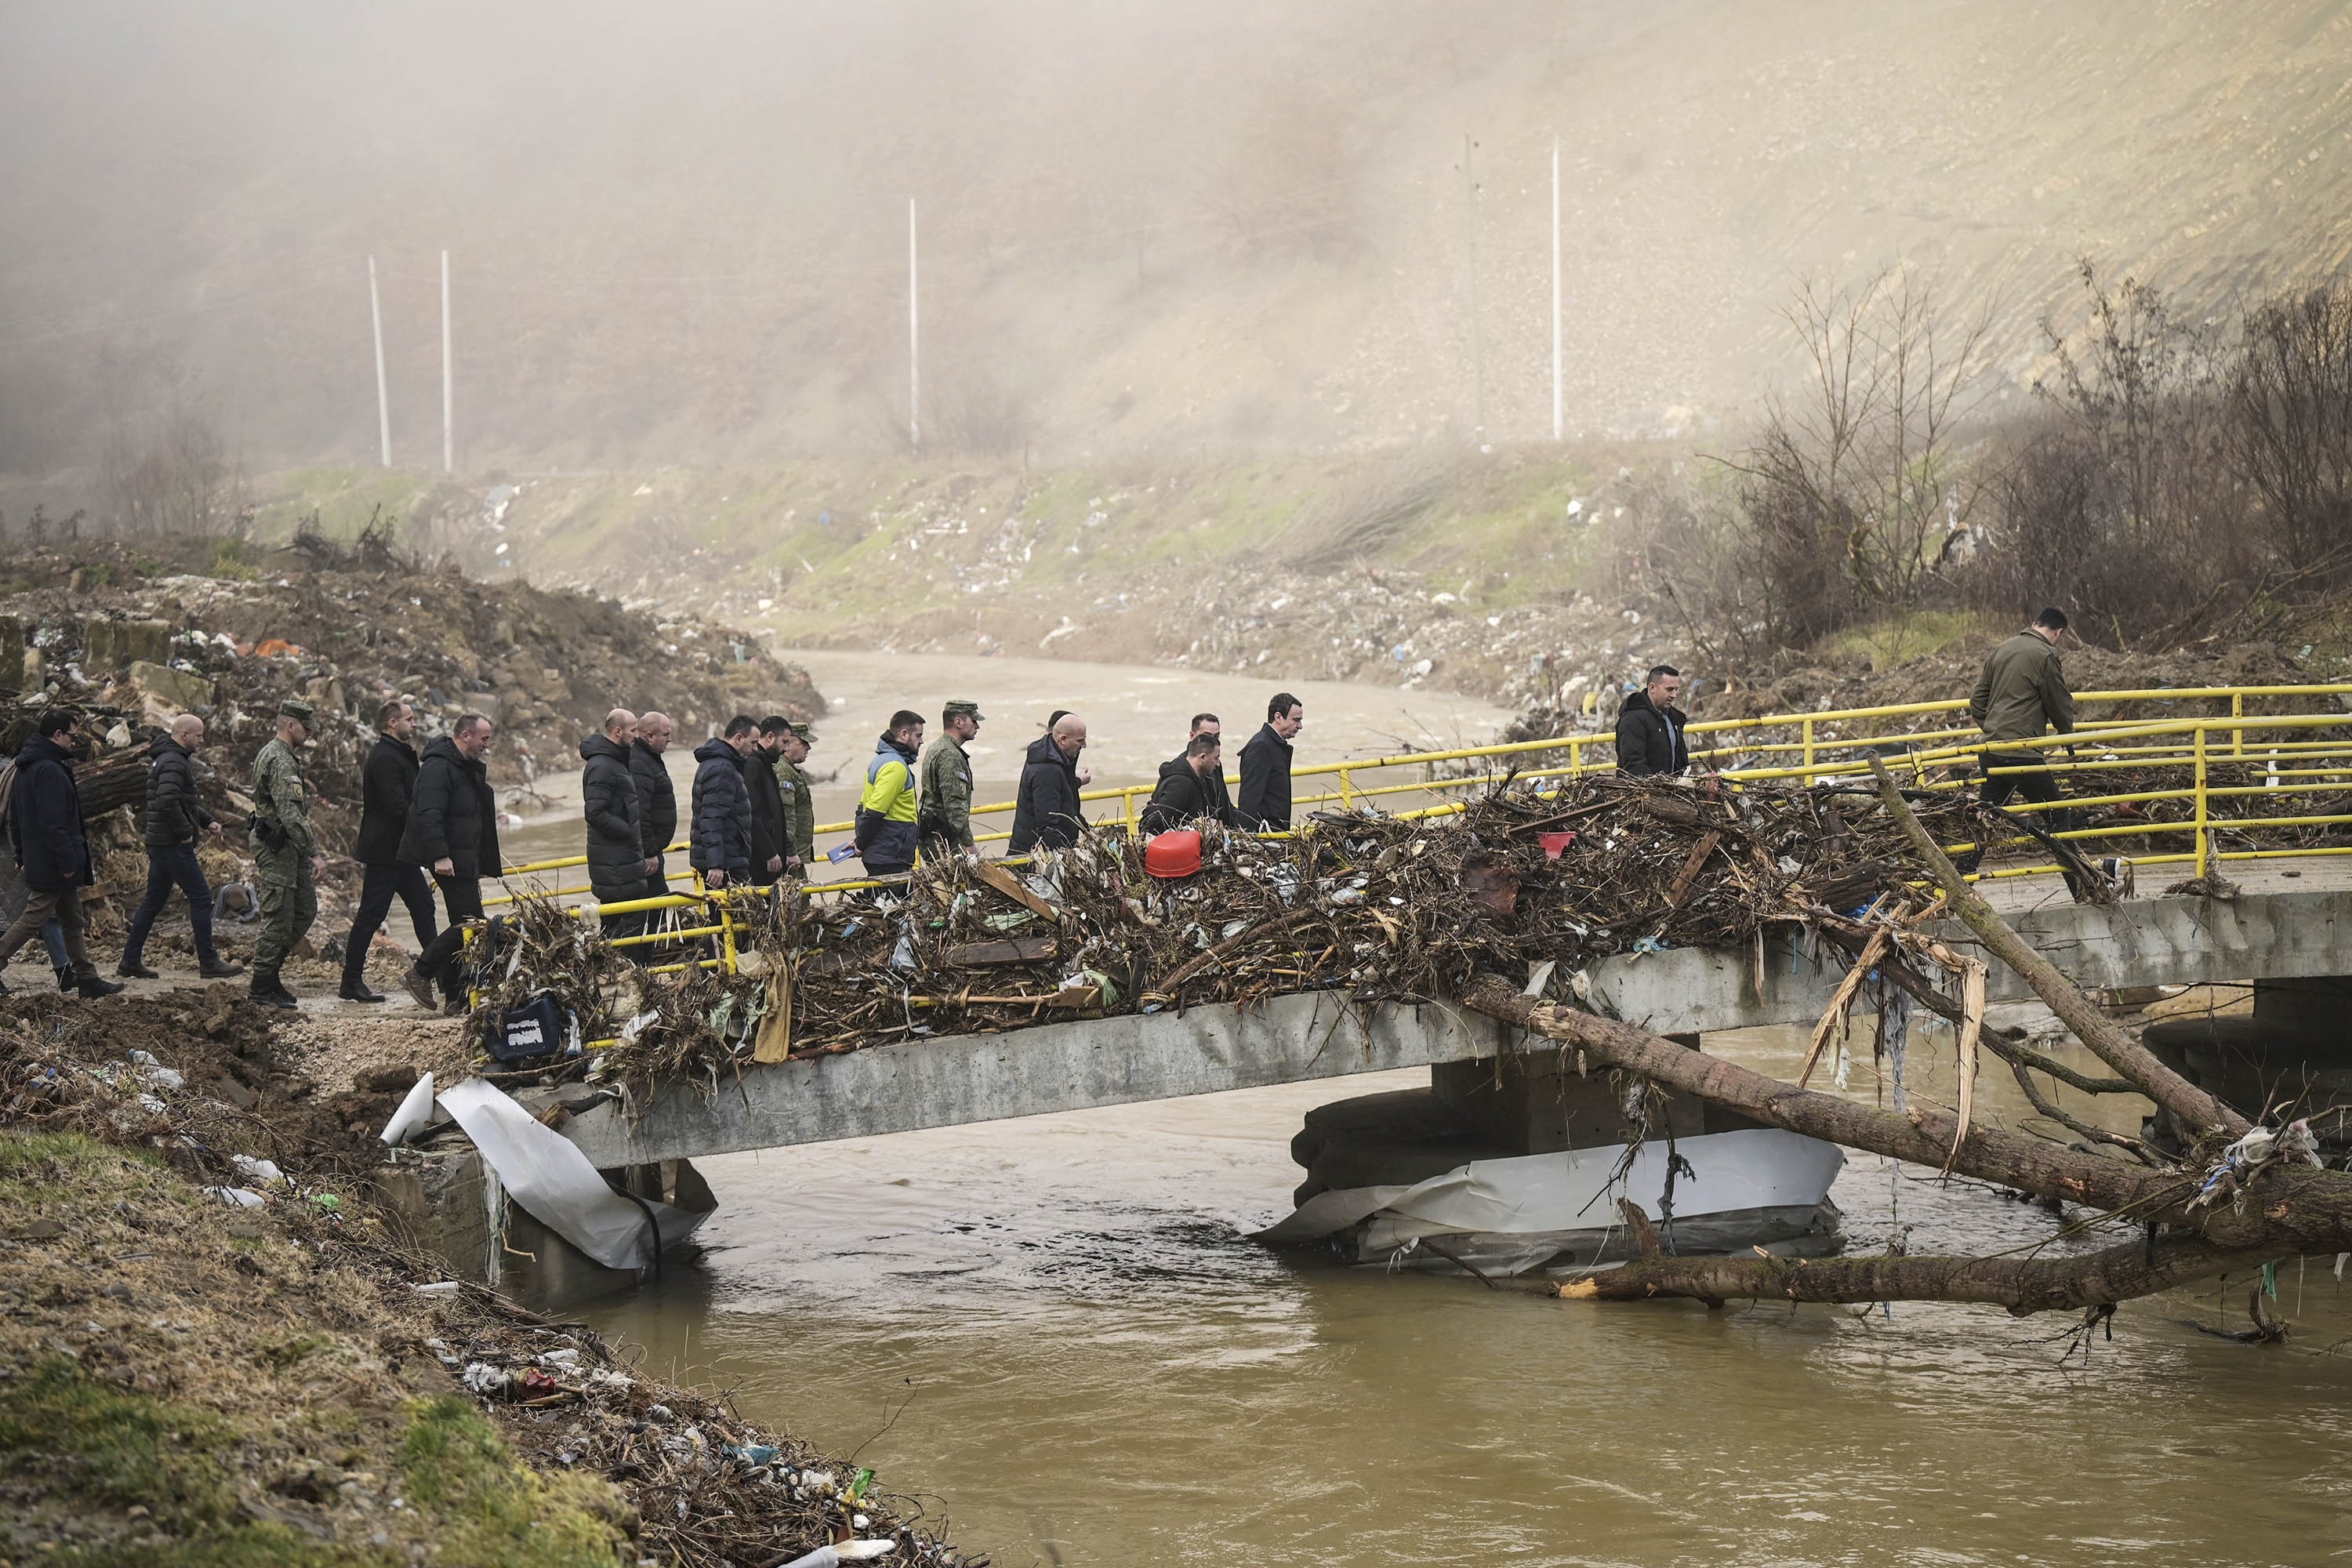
[220, 969]
[94, 986]
[357, 991]
[265, 989]
[133, 969]
[64, 977]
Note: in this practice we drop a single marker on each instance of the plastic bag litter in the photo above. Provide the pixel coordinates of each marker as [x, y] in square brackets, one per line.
[237, 1197]
[414, 1112]
[262, 1172]
[847, 1552]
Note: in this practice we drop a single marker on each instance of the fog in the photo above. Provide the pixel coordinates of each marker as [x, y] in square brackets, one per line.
[679, 235]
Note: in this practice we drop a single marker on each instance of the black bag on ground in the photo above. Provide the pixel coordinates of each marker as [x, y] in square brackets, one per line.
[539, 1027]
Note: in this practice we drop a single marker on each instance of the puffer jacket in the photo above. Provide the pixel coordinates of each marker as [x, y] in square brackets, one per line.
[454, 816]
[722, 839]
[1650, 738]
[175, 813]
[1046, 812]
[886, 810]
[45, 819]
[608, 795]
[657, 798]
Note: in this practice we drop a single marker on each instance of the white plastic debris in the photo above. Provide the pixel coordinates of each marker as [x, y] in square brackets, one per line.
[847, 1552]
[436, 1288]
[264, 1172]
[237, 1197]
[414, 1113]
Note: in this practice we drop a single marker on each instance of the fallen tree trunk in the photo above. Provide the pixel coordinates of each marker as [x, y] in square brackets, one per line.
[2201, 1115]
[2023, 1285]
[2286, 1210]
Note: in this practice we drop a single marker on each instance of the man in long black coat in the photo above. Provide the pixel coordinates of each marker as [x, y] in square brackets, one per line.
[608, 800]
[1264, 804]
[657, 798]
[175, 820]
[770, 832]
[46, 831]
[387, 789]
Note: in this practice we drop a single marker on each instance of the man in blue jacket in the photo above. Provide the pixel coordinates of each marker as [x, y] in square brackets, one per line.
[721, 842]
[44, 819]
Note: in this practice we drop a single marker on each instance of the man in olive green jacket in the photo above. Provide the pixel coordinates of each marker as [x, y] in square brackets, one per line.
[800, 805]
[2020, 696]
[287, 862]
[945, 819]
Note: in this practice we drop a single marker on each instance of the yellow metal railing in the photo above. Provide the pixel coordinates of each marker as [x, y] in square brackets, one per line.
[1814, 750]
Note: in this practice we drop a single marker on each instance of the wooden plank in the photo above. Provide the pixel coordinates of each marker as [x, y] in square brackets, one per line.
[1689, 873]
[1005, 882]
[1005, 949]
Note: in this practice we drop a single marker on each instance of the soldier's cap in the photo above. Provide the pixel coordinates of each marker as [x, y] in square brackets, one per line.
[806, 732]
[295, 708]
[960, 709]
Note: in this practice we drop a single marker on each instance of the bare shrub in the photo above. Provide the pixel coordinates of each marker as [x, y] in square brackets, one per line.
[1853, 481]
[177, 481]
[2290, 426]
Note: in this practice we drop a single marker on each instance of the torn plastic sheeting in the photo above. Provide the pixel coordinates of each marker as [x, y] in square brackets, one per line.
[846, 1551]
[414, 1112]
[1571, 1190]
[552, 1180]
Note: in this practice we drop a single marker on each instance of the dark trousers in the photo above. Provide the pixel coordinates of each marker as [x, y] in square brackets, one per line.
[42, 907]
[2038, 786]
[169, 866]
[444, 959]
[461, 896]
[376, 893]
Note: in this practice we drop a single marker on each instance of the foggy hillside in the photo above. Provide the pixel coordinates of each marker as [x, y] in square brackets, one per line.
[680, 235]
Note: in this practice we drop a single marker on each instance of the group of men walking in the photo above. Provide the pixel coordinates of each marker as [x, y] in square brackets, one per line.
[751, 817]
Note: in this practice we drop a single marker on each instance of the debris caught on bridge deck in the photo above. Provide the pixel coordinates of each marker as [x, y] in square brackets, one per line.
[1378, 908]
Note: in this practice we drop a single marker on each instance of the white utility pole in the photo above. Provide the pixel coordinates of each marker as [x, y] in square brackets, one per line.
[383, 401]
[914, 342]
[1559, 406]
[1477, 349]
[448, 403]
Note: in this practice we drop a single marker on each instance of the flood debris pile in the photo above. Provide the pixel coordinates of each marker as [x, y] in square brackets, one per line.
[1374, 908]
[217, 1340]
[228, 631]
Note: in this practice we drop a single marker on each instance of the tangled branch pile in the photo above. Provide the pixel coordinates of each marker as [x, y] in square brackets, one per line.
[1378, 908]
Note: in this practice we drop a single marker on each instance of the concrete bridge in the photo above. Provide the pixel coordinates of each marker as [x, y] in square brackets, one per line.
[2286, 926]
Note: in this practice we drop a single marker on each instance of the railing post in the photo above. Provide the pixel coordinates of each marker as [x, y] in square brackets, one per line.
[2238, 728]
[726, 934]
[1126, 808]
[1347, 791]
[1809, 752]
[2204, 842]
[1575, 759]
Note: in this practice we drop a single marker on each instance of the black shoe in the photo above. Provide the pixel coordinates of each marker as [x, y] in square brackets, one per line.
[216, 970]
[357, 991]
[65, 980]
[277, 996]
[94, 986]
[131, 971]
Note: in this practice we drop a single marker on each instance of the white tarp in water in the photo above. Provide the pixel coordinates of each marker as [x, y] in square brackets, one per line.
[546, 1173]
[1729, 1173]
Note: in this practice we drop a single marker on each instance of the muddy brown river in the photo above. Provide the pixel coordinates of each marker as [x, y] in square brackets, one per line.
[1055, 1334]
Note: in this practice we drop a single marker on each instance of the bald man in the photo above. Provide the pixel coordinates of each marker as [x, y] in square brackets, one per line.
[1046, 814]
[657, 801]
[608, 798]
[175, 819]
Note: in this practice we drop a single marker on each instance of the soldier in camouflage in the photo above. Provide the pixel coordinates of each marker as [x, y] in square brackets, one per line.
[944, 821]
[800, 805]
[286, 858]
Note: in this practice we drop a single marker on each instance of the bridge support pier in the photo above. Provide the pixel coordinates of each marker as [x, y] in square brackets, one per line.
[2293, 1048]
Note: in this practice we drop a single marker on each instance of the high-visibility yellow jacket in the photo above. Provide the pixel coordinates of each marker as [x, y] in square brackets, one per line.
[889, 783]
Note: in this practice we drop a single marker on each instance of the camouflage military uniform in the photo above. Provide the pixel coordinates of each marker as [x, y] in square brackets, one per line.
[945, 819]
[800, 812]
[290, 899]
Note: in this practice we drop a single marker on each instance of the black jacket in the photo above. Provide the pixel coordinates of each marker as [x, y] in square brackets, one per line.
[45, 819]
[608, 797]
[1264, 804]
[657, 798]
[454, 816]
[769, 832]
[1182, 797]
[387, 789]
[175, 813]
[722, 812]
[1221, 798]
[1046, 811]
[1649, 740]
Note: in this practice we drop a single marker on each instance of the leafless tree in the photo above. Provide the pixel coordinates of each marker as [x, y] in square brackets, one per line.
[2290, 424]
[1853, 481]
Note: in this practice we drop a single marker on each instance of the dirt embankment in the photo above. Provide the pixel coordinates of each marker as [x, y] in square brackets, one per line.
[156, 629]
[187, 1378]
